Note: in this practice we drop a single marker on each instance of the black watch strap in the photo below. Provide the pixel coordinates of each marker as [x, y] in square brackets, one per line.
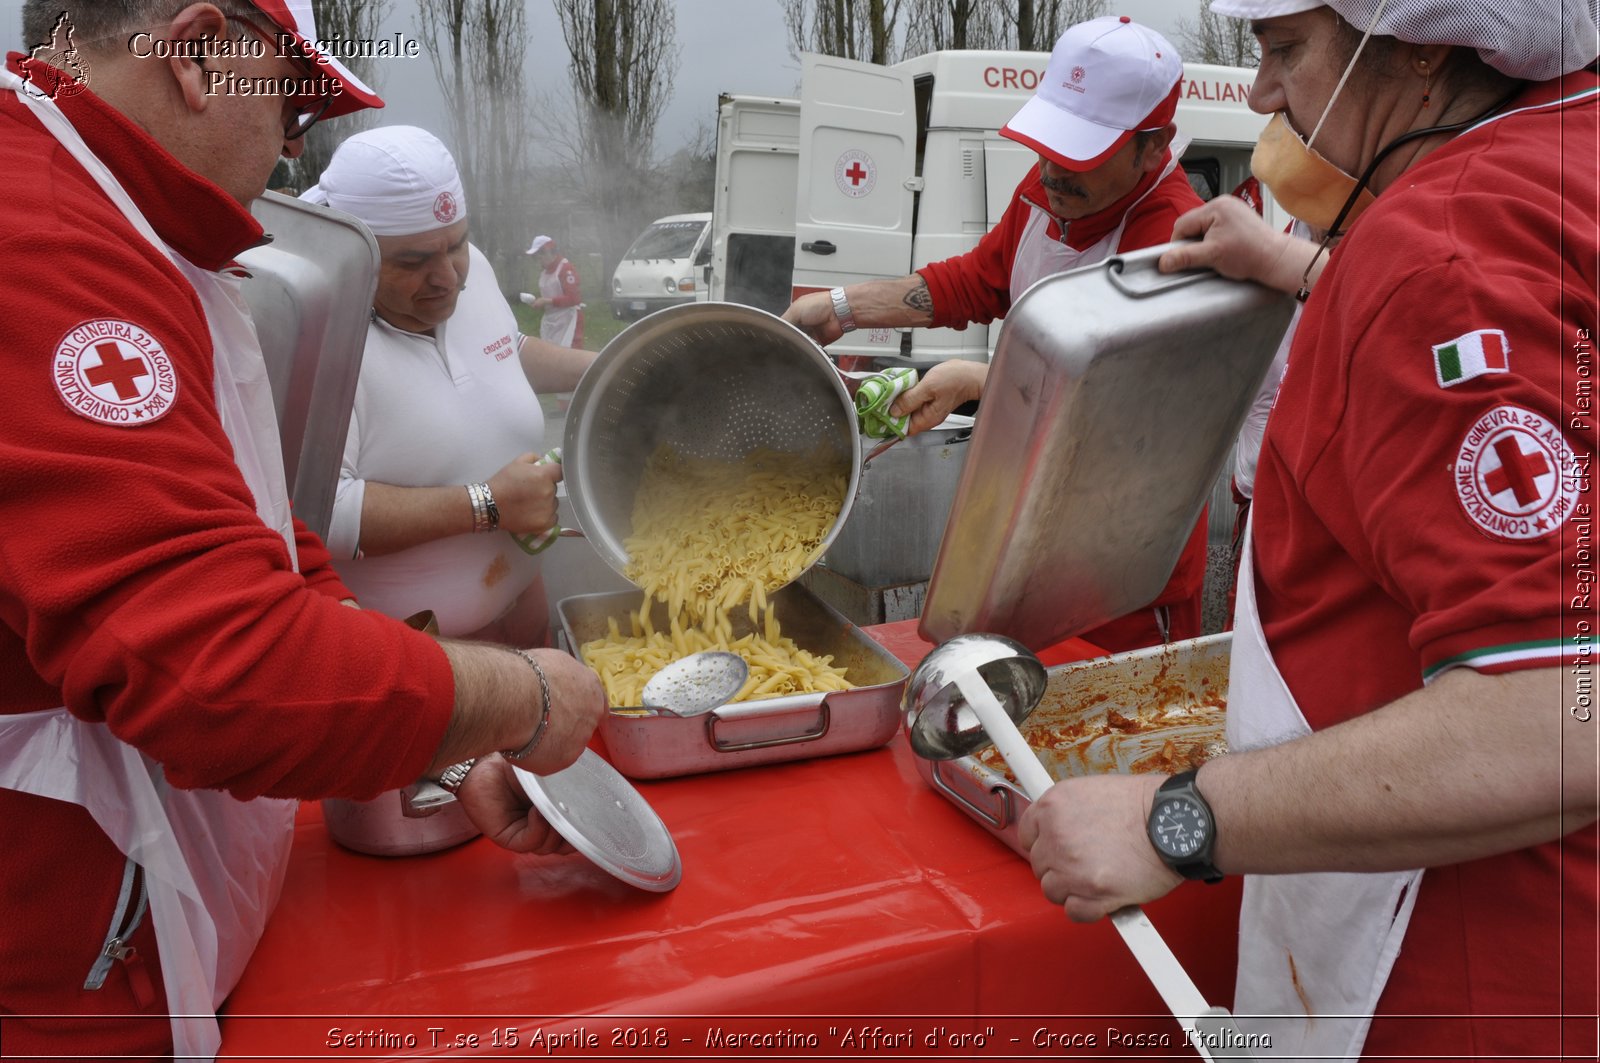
[1201, 868]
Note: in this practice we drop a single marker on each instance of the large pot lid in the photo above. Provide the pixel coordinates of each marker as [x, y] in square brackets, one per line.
[592, 806]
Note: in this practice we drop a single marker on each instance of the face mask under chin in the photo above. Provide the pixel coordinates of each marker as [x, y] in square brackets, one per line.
[1304, 183]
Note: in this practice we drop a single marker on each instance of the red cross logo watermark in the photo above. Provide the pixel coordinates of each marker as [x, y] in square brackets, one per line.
[114, 372]
[855, 173]
[1516, 475]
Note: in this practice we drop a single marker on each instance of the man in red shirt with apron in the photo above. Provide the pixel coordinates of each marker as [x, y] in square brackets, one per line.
[1107, 181]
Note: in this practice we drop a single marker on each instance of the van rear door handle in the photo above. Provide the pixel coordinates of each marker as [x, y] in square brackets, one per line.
[819, 247]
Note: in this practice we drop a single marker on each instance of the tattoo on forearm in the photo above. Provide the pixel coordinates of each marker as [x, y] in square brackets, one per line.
[919, 299]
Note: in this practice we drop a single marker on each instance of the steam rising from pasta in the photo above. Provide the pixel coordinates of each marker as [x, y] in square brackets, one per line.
[711, 536]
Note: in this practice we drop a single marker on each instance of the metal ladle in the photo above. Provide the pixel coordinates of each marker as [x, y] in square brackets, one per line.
[971, 692]
[696, 684]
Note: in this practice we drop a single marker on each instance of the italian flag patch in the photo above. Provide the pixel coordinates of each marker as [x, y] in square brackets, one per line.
[1472, 355]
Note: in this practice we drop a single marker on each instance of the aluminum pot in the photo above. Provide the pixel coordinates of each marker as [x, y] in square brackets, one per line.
[383, 827]
[420, 818]
[714, 381]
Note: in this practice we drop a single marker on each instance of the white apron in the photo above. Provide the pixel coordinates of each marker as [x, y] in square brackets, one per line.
[1319, 943]
[1039, 257]
[560, 323]
[213, 864]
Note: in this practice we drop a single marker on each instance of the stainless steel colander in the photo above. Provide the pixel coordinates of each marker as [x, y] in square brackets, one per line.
[712, 380]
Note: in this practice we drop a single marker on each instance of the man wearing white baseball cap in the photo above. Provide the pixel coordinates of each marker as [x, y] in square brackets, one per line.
[178, 660]
[1107, 181]
[1411, 786]
[560, 295]
[441, 465]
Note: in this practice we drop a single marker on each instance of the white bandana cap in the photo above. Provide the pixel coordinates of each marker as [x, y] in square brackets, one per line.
[398, 180]
[1531, 39]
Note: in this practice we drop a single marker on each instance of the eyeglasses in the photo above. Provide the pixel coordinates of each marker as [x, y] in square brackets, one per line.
[306, 114]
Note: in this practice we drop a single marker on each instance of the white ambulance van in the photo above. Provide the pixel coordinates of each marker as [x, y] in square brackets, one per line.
[875, 171]
[664, 266]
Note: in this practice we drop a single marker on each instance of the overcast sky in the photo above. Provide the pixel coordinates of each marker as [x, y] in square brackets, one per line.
[726, 46]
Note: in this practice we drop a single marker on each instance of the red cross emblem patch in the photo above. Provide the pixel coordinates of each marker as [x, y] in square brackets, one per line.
[1515, 475]
[114, 372]
[444, 207]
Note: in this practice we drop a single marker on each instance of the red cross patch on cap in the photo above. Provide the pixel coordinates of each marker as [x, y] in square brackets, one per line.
[1515, 475]
[444, 207]
[114, 372]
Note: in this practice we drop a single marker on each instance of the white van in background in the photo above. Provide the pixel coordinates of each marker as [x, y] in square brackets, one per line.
[663, 267]
[875, 171]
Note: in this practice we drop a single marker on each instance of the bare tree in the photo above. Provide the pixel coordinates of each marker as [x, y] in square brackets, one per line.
[477, 49]
[850, 29]
[353, 20]
[937, 25]
[1038, 23]
[1217, 39]
[624, 58]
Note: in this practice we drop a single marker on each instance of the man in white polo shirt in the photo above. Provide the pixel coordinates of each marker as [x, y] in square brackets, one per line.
[441, 464]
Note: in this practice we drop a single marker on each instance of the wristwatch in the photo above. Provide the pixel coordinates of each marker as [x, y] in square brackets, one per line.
[1183, 830]
[842, 311]
[451, 778]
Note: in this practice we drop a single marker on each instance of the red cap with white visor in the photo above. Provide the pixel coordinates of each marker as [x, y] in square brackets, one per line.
[1107, 79]
[295, 18]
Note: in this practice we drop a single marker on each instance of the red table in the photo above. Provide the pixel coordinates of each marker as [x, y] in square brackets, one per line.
[824, 900]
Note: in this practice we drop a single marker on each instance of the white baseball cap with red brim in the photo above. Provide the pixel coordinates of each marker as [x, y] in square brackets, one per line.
[1107, 79]
[295, 18]
[1259, 9]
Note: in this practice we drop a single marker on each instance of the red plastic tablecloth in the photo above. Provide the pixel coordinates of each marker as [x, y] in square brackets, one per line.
[839, 899]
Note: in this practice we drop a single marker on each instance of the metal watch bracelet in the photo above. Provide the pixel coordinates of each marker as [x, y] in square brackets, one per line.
[842, 311]
[451, 778]
[485, 514]
[544, 711]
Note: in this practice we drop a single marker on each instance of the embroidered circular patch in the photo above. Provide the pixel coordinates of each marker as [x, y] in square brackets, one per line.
[1515, 474]
[444, 207]
[114, 372]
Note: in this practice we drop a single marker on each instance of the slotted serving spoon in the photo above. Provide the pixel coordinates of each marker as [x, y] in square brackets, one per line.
[971, 692]
[696, 684]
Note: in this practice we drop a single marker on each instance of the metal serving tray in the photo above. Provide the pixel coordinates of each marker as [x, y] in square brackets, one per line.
[1114, 396]
[1180, 685]
[310, 294]
[644, 744]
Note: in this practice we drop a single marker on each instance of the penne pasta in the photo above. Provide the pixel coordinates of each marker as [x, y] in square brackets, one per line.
[710, 537]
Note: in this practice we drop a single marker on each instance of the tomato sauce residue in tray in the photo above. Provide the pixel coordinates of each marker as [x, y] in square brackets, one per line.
[1159, 714]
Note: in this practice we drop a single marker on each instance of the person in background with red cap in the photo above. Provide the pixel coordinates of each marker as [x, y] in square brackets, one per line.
[177, 654]
[560, 296]
[1107, 181]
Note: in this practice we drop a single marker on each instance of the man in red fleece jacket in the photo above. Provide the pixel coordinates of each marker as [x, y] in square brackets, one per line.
[1106, 182]
[174, 651]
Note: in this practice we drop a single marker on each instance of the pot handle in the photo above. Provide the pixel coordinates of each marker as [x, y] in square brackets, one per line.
[824, 721]
[538, 544]
[1124, 270]
[1000, 819]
